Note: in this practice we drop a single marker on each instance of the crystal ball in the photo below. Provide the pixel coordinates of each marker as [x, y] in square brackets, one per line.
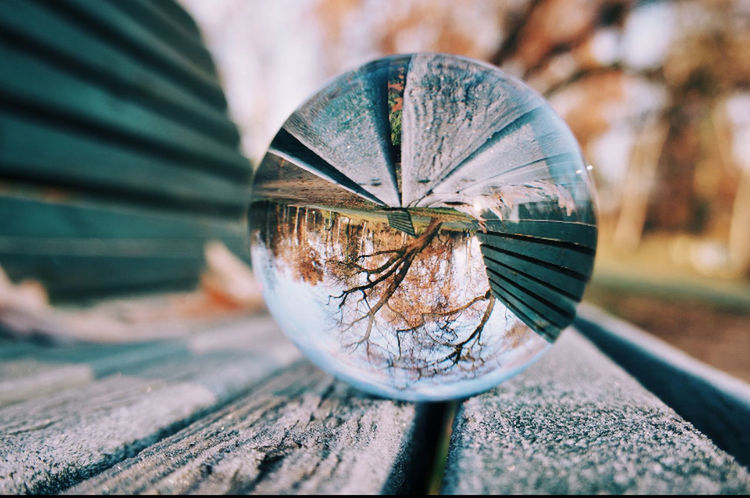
[423, 227]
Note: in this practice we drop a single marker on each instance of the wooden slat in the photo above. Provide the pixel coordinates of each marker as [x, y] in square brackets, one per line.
[29, 81]
[345, 124]
[149, 14]
[84, 249]
[82, 162]
[130, 36]
[52, 441]
[33, 217]
[716, 403]
[178, 15]
[475, 99]
[300, 432]
[42, 30]
[68, 276]
[566, 257]
[39, 371]
[576, 423]
[114, 111]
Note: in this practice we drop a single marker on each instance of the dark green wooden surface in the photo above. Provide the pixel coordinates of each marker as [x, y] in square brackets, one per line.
[134, 37]
[90, 162]
[38, 28]
[118, 161]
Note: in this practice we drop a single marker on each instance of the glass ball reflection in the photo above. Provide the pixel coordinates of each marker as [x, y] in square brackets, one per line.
[423, 227]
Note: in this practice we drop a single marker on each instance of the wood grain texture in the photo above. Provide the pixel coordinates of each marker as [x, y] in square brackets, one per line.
[576, 423]
[53, 440]
[451, 109]
[346, 124]
[298, 432]
[715, 402]
[39, 370]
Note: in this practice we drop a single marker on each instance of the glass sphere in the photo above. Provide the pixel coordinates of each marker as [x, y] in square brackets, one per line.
[423, 227]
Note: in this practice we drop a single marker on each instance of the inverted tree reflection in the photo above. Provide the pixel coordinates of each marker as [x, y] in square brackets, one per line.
[420, 305]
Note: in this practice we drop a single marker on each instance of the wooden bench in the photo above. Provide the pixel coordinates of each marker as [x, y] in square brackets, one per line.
[234, 408]
[117, 159]
[118, 163]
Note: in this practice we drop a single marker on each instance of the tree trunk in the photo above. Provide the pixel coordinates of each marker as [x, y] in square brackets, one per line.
[638, 184]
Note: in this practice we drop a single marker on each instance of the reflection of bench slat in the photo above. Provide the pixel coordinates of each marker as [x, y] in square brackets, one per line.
[573, 232]
[576, 423]
[542, 250]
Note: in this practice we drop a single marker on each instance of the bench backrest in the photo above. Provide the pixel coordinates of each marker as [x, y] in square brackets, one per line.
[117, 158]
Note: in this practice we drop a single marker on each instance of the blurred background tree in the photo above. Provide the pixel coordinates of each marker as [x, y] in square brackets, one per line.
[657, 93]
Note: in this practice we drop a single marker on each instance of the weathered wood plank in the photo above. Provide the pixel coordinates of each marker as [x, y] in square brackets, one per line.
[576, 423]
[346, 124]
[53, 441]
[299, 432]
[715, 402]
[459, 102]
[40, 370]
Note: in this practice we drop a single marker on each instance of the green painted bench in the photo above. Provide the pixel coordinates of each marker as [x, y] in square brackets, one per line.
[117, 158]
[233, 408]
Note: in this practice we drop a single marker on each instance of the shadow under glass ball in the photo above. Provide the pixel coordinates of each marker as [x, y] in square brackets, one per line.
[423, 227]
